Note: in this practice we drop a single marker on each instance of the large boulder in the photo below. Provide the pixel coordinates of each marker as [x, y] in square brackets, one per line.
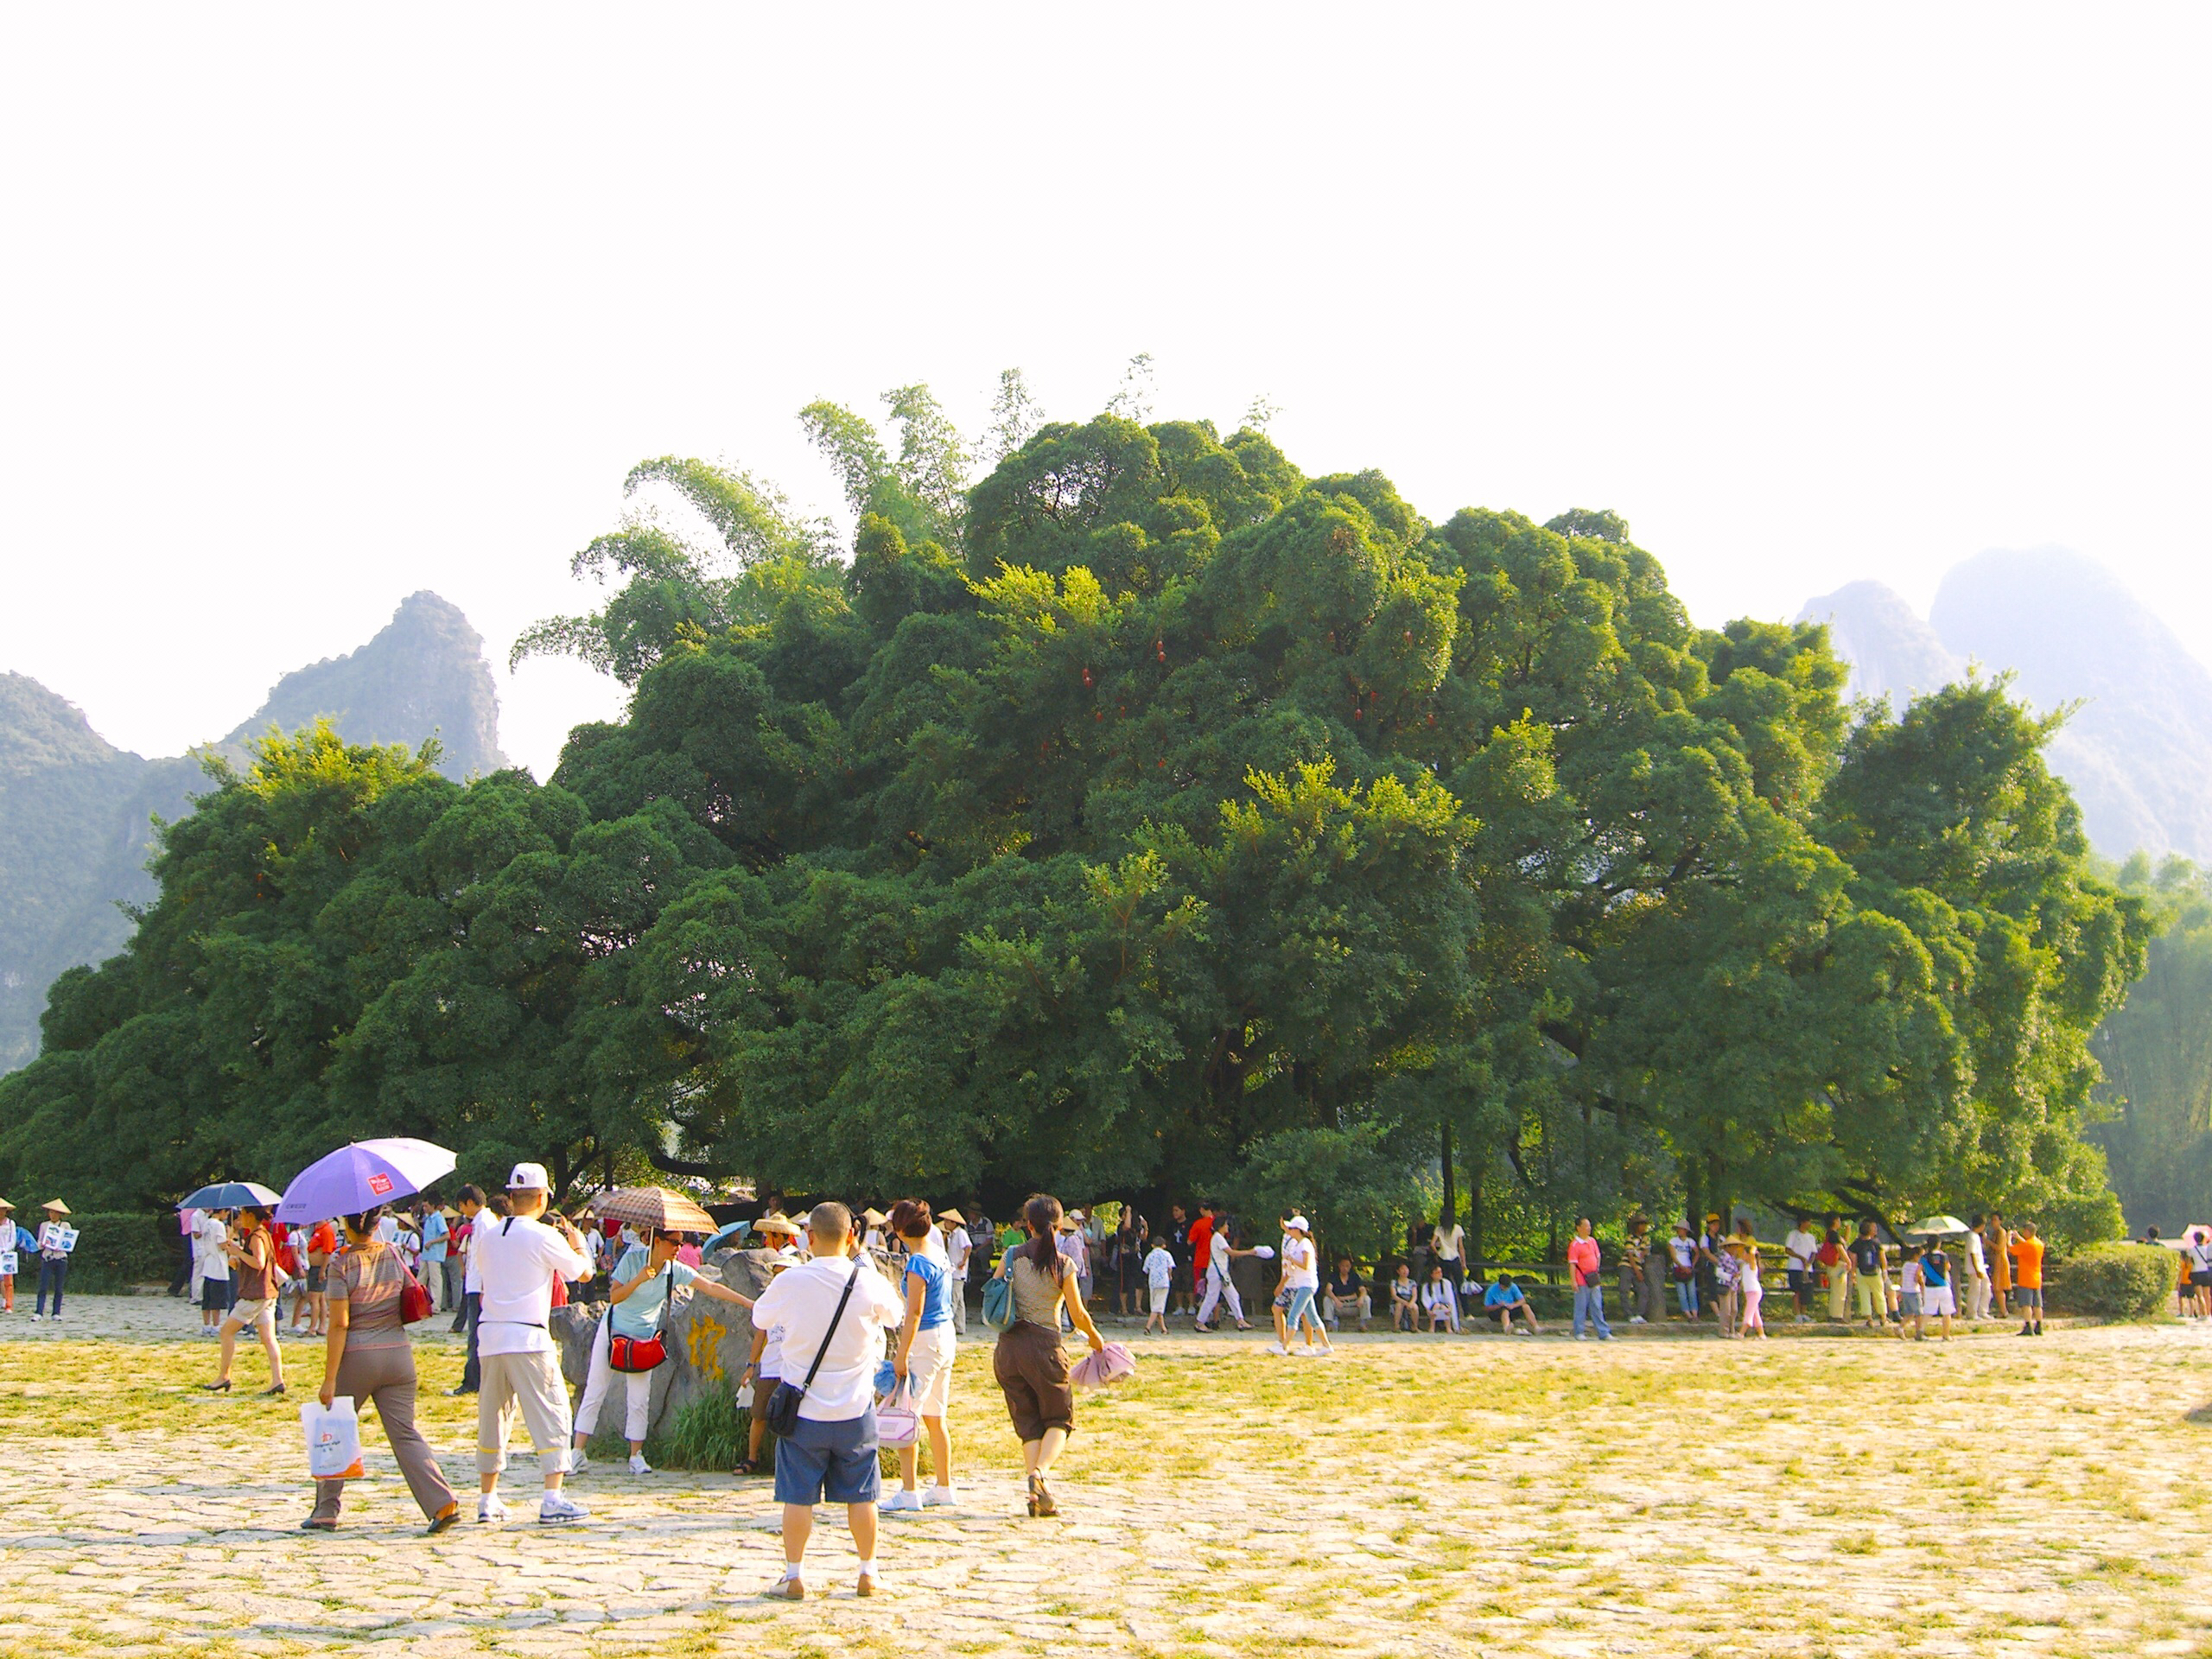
[709, 1342]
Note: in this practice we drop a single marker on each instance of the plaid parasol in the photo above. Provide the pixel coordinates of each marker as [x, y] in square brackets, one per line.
[654, 1207]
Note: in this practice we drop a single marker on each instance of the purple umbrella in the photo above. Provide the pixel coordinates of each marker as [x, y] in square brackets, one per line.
[362, 1176]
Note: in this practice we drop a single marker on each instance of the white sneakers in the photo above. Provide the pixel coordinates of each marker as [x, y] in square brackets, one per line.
[937, 1498]
[577, 1464]
[553, 1508]
[1277, 1348]
[639, 1465]
[1635, 1319]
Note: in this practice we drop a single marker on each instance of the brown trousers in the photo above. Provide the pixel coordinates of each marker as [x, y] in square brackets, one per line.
[1031, 1368]
[385, 1376]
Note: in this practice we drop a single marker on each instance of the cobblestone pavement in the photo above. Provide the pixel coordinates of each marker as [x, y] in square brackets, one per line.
[1410, 1497]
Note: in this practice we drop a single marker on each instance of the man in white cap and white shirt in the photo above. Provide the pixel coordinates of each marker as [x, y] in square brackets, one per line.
[516, 1260]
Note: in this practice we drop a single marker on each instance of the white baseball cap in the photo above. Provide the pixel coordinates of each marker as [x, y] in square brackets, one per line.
[1299, 1223]
[529, 1178]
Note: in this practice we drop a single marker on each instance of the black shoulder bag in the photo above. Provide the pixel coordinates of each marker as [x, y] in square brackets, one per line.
[781, 1414]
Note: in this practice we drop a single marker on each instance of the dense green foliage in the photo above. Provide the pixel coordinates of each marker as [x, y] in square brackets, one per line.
[115, 1251]
[1149, 815]
[2115, 1281]
[2156, 1053]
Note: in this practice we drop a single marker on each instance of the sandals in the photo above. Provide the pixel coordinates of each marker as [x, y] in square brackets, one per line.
[746, 1466]
[1041, 1501]
[1033, 1494]
[442, 1521]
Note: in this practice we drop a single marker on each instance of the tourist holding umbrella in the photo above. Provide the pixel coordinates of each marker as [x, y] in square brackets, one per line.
[643, 1285]
[367, 1355]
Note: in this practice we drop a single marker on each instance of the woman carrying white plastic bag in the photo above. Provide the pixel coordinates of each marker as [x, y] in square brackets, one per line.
[368, 1355]
[334, 1434]
[922, 1361]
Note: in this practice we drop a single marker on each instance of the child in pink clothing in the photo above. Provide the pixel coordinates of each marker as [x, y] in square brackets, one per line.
[1747, 1282]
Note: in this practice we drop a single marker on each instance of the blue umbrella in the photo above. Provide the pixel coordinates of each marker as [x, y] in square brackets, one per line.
[230, 1195]
[362, 1176]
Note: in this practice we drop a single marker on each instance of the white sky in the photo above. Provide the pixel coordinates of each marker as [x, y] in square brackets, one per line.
[302, 309]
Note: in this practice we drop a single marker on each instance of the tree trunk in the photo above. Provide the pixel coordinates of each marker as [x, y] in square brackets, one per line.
[1475, 1160]
[1450, 1182]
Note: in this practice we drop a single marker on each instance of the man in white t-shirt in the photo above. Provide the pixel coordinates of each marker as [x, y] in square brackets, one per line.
[958, 1248]
[832, 1456]
[1977, 1274]
[515, 1260]
[1159, 1279]
[211, 1233]
[1799, 1247]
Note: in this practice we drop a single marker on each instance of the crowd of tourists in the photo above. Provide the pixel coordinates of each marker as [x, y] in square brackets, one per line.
[857, 1331]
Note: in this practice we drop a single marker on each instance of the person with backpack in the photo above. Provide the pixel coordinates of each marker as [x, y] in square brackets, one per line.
[1870, 1277]
[1029, 1362]
[630, 1340]
[367, 1357]
[833, 1310]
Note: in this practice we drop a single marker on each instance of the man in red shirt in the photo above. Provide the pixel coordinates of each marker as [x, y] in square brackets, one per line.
[1582, 1256]
[1201, 1243]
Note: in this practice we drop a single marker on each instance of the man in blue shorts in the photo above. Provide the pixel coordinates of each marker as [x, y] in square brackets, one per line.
[831, 1457]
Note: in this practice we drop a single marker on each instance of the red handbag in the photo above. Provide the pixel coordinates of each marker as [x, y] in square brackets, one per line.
[415, 1303]
[634, 1354]
[630, 1354]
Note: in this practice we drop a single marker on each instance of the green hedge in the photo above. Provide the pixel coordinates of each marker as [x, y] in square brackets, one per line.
[2114, 1281]
[116, 1249]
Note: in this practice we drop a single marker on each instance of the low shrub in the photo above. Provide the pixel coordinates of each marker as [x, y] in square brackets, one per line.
[116, 1249]
[2114, 1282]
[711, 1433]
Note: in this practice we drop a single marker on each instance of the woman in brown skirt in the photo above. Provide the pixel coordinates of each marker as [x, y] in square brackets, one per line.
[369, 1357]
[1031, 1365]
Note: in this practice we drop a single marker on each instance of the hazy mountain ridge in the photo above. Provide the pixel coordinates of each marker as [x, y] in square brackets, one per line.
[2137, 751]
[76, 813]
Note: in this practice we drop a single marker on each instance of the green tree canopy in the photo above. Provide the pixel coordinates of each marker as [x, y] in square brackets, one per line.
[1147, 814]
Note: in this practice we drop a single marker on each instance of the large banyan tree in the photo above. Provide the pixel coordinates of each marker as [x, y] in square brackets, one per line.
[1147, 815]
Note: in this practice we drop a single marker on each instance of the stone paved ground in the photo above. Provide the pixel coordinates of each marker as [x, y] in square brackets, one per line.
[1660, 1496]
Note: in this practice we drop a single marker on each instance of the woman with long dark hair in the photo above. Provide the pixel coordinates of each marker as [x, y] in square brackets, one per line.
[1029, 1362]
[369, 1357]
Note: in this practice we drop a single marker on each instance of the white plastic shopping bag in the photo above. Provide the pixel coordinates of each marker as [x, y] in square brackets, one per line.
[333, 1439]
[897, 1423]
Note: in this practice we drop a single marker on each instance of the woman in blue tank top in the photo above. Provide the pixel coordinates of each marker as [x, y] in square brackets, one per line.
[923, 1357]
